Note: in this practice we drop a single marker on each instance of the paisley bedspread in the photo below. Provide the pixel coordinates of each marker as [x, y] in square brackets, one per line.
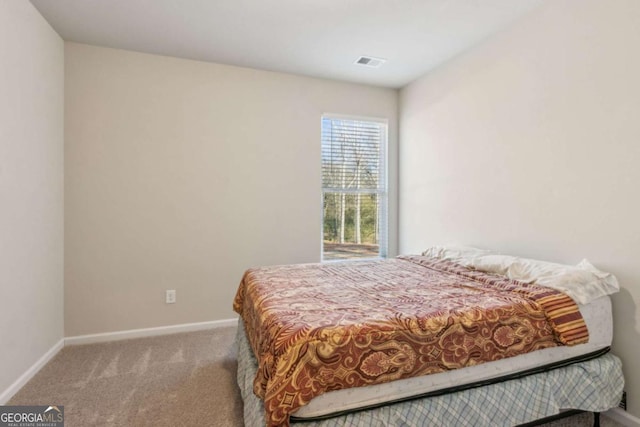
[322, 327]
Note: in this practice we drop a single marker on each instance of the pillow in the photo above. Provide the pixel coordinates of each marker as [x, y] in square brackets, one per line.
[583, 283]
[460, 254]
[494, 263]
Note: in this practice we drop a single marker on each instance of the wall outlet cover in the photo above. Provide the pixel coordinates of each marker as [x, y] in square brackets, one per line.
[170, 296]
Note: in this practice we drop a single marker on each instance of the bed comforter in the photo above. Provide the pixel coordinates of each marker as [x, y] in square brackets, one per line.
[320, 327]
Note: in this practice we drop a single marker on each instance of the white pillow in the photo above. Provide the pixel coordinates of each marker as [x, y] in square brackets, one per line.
[461, 254]
[493, 263]
[584, 283]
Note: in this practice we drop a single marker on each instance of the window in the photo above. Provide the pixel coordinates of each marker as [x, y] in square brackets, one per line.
[354, 188]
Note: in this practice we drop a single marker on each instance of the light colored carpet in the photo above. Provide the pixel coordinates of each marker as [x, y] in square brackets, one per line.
[183, 379]
[174, 380]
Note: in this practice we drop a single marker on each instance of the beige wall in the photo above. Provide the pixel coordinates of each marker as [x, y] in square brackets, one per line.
[530, 144]
[31, 189]
[182, 174]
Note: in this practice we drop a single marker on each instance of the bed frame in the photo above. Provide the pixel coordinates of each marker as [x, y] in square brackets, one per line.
[564, 414]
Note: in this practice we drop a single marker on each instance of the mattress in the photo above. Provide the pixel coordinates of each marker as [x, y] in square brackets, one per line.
[597, 316]
[594, 385]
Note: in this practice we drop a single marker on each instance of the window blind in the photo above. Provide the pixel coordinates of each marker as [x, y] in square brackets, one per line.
[354, 184]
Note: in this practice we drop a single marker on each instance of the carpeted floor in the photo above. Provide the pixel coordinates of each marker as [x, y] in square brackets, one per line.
[183, 379]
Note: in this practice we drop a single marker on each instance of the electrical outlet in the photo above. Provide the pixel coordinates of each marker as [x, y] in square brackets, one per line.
[170, 296]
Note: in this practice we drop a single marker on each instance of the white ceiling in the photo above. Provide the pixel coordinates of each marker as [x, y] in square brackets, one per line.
[320, 38]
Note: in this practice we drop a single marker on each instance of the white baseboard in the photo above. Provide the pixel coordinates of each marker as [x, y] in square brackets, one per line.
[148, 332]
[24, 378]
[622, 417]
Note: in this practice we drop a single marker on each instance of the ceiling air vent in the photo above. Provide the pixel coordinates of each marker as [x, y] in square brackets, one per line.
[370, 61]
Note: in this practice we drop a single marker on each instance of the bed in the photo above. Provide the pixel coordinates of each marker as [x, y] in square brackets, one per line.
[445, 338]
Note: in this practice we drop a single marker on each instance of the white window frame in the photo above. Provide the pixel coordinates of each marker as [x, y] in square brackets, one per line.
[383, 192]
